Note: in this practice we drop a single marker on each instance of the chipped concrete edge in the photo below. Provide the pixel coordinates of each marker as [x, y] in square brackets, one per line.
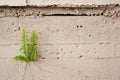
[107, 11]
[63, 5]
[75, 5]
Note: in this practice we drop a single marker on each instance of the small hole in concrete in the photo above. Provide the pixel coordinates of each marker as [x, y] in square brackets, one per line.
[93, 14]
[58, 58]
[89, 35]
[57, 53]
[19, 29]
[14, 30]
[13, 24]
[62, 49]
[80, 56]
[39, 55]
[71, 51]
[43, 58]
[57, 30]
[95, 52]
[79, 26]
[101, 43]
[100, 57]
[102, 13]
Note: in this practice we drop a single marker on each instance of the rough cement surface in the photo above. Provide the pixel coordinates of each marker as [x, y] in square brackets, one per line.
[72, 46]
[57, 3]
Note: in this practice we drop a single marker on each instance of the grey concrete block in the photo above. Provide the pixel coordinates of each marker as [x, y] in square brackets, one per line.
[61, 29]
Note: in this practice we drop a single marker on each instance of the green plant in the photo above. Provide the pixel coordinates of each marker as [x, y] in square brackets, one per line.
[29, 50]
[29, 47]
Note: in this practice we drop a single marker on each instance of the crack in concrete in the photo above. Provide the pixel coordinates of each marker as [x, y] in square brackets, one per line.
[107, 11]
[65, 14]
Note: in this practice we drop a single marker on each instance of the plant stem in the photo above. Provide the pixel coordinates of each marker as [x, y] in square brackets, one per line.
[25, 71]
[31, 72]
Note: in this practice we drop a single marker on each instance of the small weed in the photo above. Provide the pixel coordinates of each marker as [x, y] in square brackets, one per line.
[29, 49]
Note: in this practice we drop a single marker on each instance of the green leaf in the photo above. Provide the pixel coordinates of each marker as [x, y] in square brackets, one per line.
[21, 58]
[34, 37]
[33, 40]
[33, 45]
[29, 47]
[25, 47]
[34, 53]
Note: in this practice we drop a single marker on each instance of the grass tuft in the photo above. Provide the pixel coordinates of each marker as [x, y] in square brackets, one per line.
[29, 47]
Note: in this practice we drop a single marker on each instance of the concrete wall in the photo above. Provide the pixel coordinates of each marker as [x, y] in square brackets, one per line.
[74, 43]
[60, 3]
